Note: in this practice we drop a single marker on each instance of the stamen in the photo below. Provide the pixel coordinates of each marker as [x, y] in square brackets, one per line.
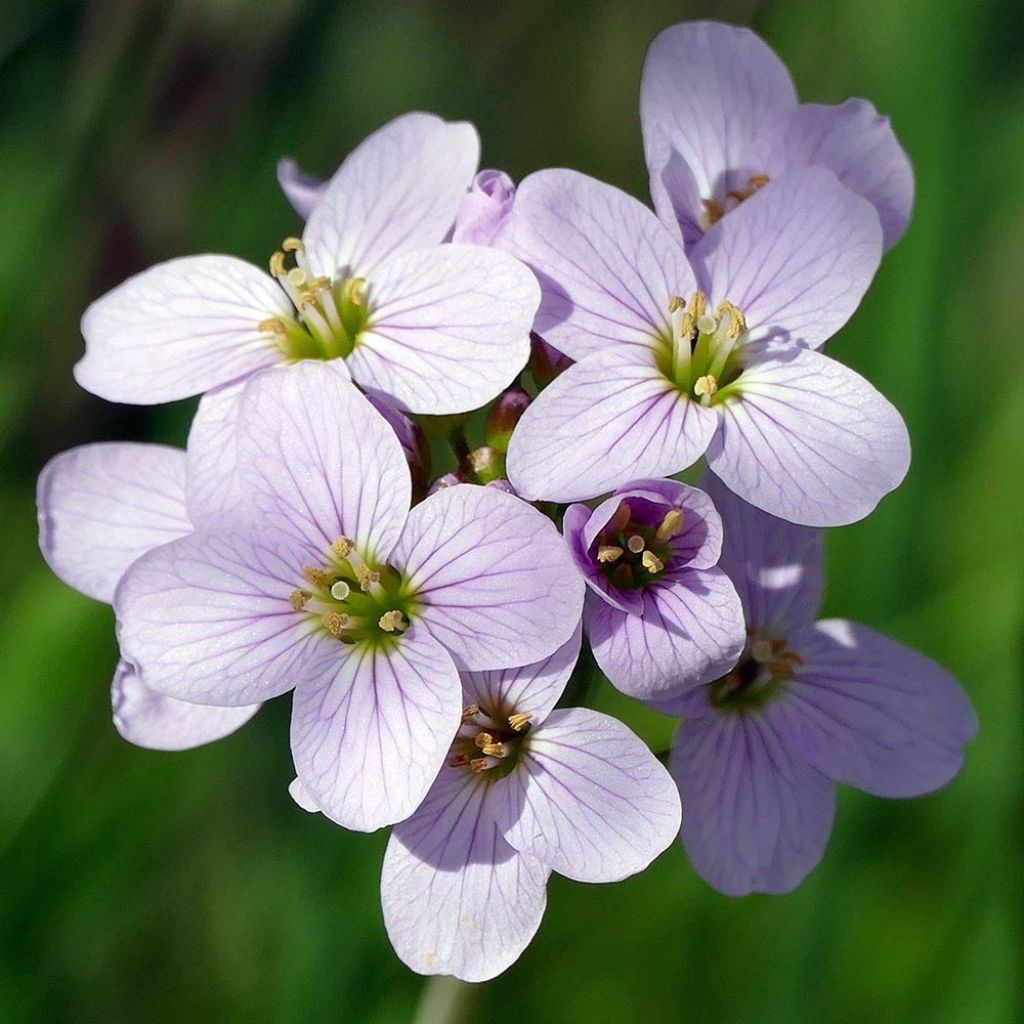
[482, 739]
[277, 264]
[758, 181]
[340, 590]
[367, 577]
[458, 761]
[320, 579]
[342, 547]
[705, 386]
[676, 303]
[671, 526]
[481, 764]
[390, 621]
[651, 562]
[298, 598]
[620, 519]
[520, 720]
[698, 303]
[468, 714]
[737, 321]
[272, 325]
[335, 623]
[635, 543]
[712, 211]
[495, 749]
[293, 245]
[355, 291]
[608, 553]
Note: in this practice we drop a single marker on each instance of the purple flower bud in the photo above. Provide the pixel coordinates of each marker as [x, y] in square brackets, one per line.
[503, 416]
[484, 208]
[546, 363]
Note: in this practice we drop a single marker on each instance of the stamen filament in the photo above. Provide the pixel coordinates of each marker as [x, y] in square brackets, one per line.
[520, 720]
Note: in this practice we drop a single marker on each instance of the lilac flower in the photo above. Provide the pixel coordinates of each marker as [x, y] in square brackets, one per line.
[101, 506]
[721, 119]
[330, 585]
[527, 790]
[715, 354]
[440, 329]
[660, 615]
[485, 208]
[810, 704]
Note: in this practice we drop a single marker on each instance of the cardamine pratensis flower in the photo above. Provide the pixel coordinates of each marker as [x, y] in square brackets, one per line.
[721, 121]
[320, 579]
[439, 328]
[712, 355]
[809, 704]
[660, 615]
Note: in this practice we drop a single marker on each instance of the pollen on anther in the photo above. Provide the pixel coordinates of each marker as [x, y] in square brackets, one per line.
[705, 386]
[390, 621]
[355, 290]
[340, 590]
[652, 563]
[335, 623]
[469, 713]
[458, 761]
[367, 577]
[297, 599]
[316, 576]
[609, 553]
[277, 264]
[293, 245]
[342, 547]
[671, 525]
[272, 326]
[675, 304]
[520, 720]
[635, 543]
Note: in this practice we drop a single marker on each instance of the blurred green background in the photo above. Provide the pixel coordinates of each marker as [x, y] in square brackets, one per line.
[143, 887]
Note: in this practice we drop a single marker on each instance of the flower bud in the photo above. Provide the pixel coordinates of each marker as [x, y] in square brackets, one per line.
[446, 480]
[546, 363]
[486, 464]
[503, 416]
[484, 208]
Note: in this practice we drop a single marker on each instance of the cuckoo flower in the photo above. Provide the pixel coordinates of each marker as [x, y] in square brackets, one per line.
[101, 506]
[715, 354]
[441, 329]
[721, 120]
[320, 579]
[660, 614]
[810, 704]
[526, 790]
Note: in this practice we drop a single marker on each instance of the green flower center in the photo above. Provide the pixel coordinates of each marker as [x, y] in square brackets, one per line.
[354, 600]
[490, 743]
[701, 353]
[330, 315]
[633, 553]
[760, 674]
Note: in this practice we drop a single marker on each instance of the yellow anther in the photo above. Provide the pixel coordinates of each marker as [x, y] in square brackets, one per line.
[294, 245]
[482, 739]
[651, 562]
[635, 543]
[297, 599]
[366, 576]
[705, 386]
[317, 577]
[390, 621]
[340, 590]
[307, 298]
[687, 325]
[671, 525]
[608, 553]
[758, 181]
[675, 304]
[470, 713]
[319, 284]
[355, 290]
[712, 211]
[737, 321]
[342, 547]
[481, 764]
[495, 749]
[698, 303]
[519, 721]
[335, 623]
[272, 325]
[277, 264]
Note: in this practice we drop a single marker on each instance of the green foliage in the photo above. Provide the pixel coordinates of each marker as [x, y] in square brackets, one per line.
[147, 888]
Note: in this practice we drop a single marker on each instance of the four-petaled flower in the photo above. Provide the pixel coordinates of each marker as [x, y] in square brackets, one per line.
[810, 704]
[324, 581]
[713, 354]
[440, 328]
[721, 121]
[661, 616]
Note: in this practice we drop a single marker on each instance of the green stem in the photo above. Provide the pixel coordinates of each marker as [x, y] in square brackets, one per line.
[459, 445]
[444, 1000]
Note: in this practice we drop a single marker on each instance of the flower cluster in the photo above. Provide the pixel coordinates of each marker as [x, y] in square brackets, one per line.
[440, 630]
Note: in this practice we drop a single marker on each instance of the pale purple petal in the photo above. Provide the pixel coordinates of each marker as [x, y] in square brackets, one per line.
[449, 327]
[320, 461]
[606, 265]
[100, 506]
[149, 719]
[398, 190]
[530, 689]
[212, 487]
[776, 566]
[857, 144]
[302, 797]
[674, 190]
[871, 713]
[719, 97]
[690, 631]
[756, 815]
[369, 736]
[493, 576]
[809, 440]
[180, 328]
[302, 190]
[589, 799]
[603, 422]
[796, 258]
[457, 899]
[206, 618]
[485, 208]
